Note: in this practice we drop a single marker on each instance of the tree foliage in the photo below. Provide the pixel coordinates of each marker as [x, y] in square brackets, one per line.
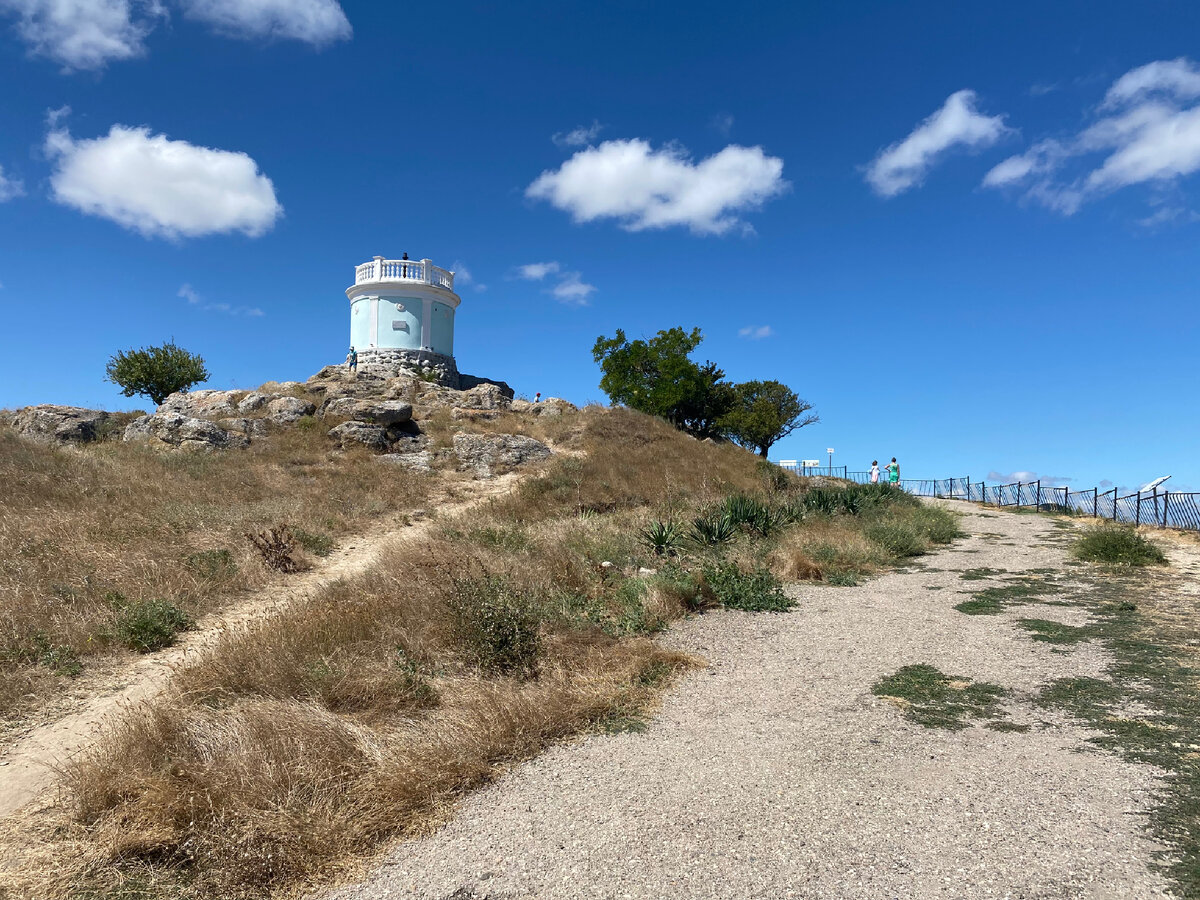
[156, 372]
[659, 377]
[763, 413]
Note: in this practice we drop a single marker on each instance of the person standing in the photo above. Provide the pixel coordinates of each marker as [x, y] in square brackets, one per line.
[893, 470]
[874, 471]
[352, 360]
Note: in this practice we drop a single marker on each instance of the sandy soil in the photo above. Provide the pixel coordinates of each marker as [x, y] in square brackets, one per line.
[775, 772]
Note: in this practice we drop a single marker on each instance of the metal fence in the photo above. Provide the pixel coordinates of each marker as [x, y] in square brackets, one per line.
[1166, 509]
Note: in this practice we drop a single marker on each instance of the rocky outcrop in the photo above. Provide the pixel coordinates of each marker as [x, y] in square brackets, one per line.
[378, 412]
[482, 453]
[175, 430]
[416, 461]
[287, 410]
[350, 434]
[550, 407]
[202, 404]
[68, 424]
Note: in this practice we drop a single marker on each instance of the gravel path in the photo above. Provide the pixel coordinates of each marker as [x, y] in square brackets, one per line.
[776, 773]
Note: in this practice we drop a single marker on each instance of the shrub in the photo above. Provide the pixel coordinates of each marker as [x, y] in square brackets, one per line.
[277, 546]
[497, 625]
[741, 509]
[61, 659]
[149, 625]
[663, 538]
[758, 591]
[898, 538]
[712, 531]
[212, 563]
[314, 542]
[1121, 545]
[690, 589]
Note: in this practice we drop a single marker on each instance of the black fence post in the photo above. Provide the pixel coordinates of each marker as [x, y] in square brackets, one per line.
[968, 488]
[1067, 497]
[1114, 504]
[1037, 497]
[1166, 500]
[1095, 502]
[1018, 495]
[1137, 516]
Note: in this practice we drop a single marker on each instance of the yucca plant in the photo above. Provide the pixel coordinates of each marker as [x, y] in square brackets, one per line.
[712, 531]
[820, 500]
[742, 510]
[663, 538]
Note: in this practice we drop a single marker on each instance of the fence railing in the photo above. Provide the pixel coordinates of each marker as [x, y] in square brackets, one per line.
[1166, 509]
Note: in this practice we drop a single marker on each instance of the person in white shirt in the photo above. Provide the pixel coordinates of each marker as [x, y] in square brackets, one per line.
[875, 471]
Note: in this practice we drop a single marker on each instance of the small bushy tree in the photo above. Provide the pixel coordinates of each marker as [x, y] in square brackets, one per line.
[156, 372]
[657, 376]
[764, 412]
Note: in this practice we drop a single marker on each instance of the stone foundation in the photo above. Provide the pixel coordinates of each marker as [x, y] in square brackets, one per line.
[388, 362]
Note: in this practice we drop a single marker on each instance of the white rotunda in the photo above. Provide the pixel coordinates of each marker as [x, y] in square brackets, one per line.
[402, 312]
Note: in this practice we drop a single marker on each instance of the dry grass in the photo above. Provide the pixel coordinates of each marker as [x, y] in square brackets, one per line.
[360, 714]
[83, 528]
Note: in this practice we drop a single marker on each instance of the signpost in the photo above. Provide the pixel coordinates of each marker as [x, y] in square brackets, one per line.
[829, 450]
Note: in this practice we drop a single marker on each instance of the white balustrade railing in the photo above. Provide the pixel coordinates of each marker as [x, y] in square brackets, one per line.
[421, 271]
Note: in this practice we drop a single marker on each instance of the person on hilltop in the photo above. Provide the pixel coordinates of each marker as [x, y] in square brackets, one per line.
[893, 470]
[352, 360]
[874, 471]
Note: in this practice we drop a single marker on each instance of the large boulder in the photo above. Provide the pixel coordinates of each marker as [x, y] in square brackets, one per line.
[73, 424]
[248, 427]
[349, 434]
[175, 430]
[286, 410]
[415, 461]
[204, 404]
[550, 407]
[377, 412]
[483, 452]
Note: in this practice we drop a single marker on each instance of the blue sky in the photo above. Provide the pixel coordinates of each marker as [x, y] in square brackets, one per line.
[966, 233]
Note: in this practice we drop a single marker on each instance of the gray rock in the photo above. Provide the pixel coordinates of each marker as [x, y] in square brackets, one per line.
[482, 452]
[554, 406]
[60, 423]
[206, 404]
[417, 461]
[349, 434]
[255, 401]
[378, 412]
[248, 427]
[184, 432]
[521, 405]
[286, 410]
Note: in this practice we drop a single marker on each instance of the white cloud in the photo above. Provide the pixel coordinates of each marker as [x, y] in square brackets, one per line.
[1147, 130]
[188, 293]
[9, 187]
[160, 187]
[1026, 477]
[84, 34]
[572, 290]
[316, 22]
[464, 278]
[722, 123]
[537, 271]
[756, 332]
[644, 188]
[904, 164]
[578, 137]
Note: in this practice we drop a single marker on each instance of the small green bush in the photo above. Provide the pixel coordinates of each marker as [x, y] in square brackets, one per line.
[690, 588]
[61, 659]
[899, 538]
[663, 538]
[149, 625]
[759, 591]
[497, 625]
[314, 542]
[212, 563]
[1121, 545]
[712, 531]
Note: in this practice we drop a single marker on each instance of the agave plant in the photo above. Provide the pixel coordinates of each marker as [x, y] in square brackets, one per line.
[712, 531]
[663, 538]
[820, 500]
[743, 510]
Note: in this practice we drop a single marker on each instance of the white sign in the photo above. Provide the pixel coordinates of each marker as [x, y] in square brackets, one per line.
[828, 449]
[810, 463]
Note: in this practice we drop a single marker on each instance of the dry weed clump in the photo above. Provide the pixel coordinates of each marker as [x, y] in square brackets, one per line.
[82, 527]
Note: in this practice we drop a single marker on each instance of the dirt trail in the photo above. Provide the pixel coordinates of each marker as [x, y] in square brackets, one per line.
[29, 765]
[777, 772]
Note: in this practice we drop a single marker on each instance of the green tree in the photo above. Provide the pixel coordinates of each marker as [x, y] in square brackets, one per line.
[156, 372]
[764, 412]
[658, 377]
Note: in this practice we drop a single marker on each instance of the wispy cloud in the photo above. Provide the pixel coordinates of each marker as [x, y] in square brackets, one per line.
[159, 187]
[904, 164]
[188, 293]
[756, 332]
[316, 22]
[580, 136]
[569, 287]
[644, 189]
[9, 187]
[721, 123]
[464, 278]
[1025, 476]
[1145, 131]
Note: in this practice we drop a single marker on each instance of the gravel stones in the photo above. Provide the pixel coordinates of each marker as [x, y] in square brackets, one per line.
[67, 424]
[483, 452]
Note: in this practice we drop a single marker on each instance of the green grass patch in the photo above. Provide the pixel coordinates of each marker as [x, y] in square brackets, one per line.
[314, 542]
[980, 573]
[1118, 545]
[1052, 632]
[149, 625]
[992, 601]
[757, 591]
[935, 700]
